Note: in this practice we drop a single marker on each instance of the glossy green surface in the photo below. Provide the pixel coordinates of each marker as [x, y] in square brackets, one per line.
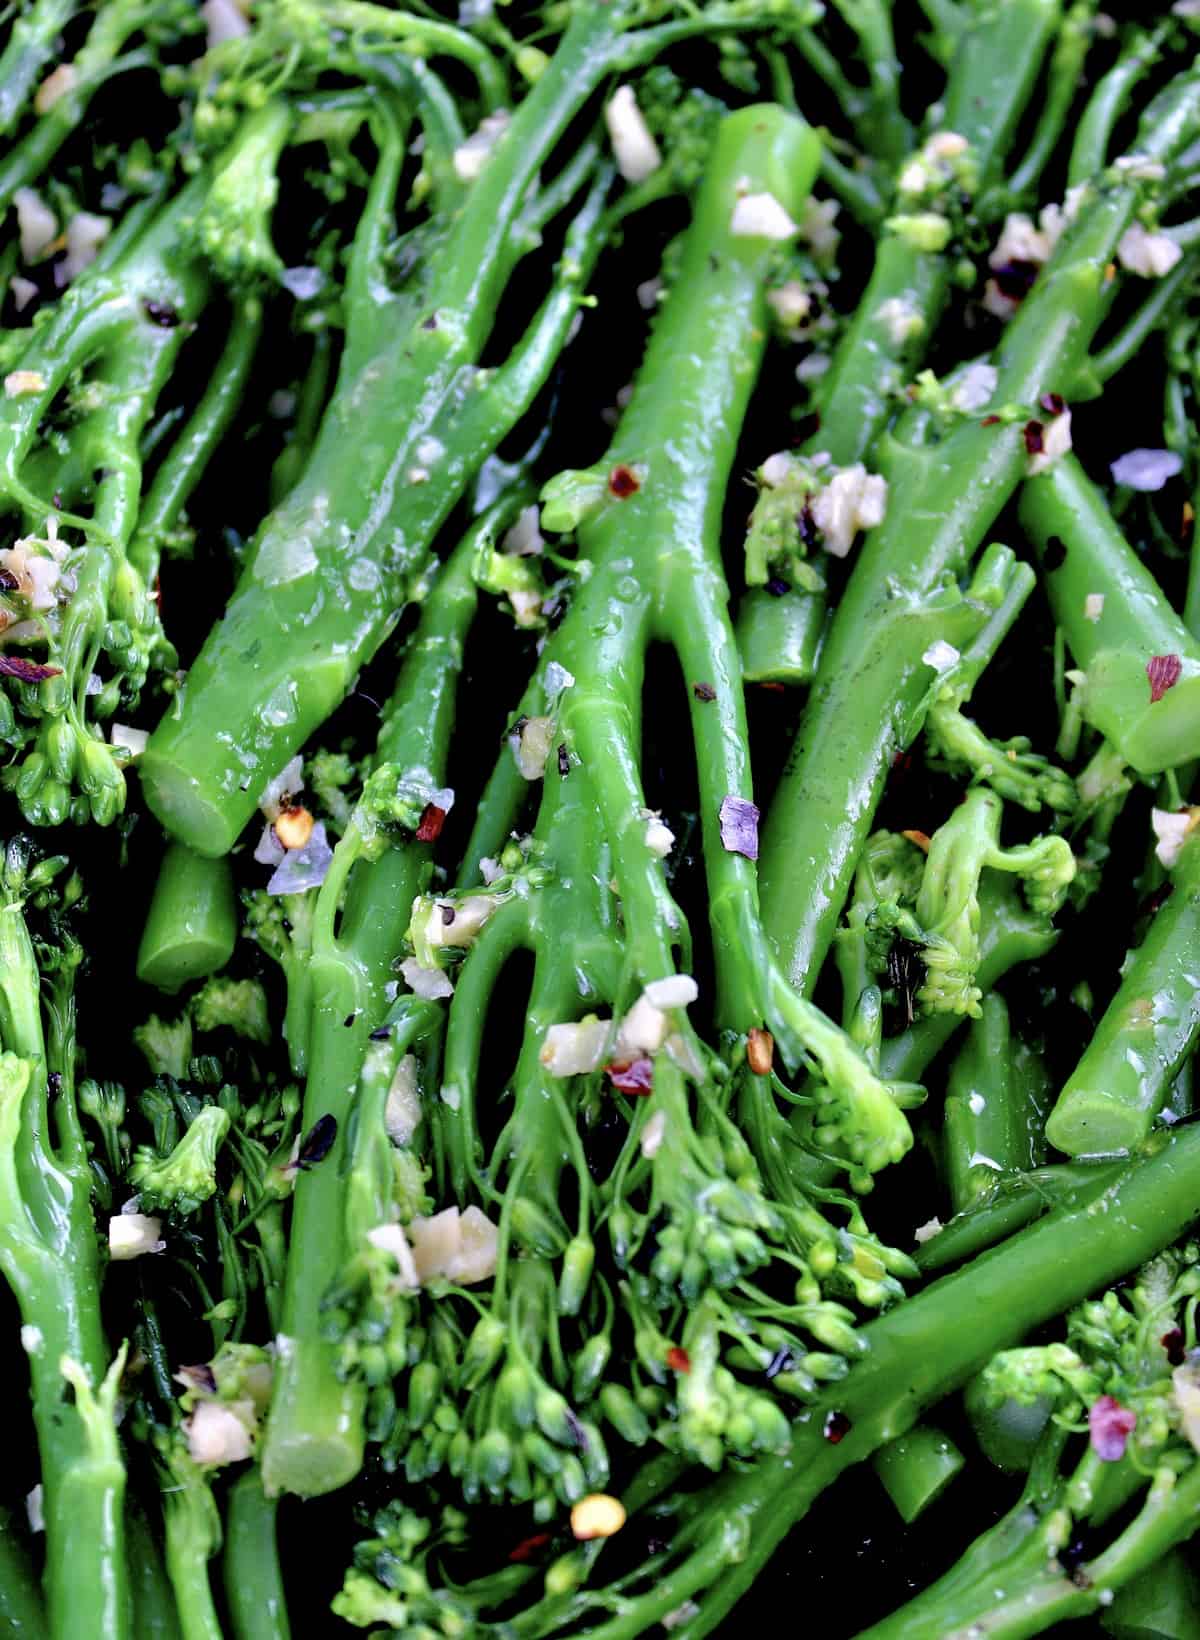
[191, 927]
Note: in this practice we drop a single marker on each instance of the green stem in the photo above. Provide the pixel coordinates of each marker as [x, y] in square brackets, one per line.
[250, 1568]
[1089, 150]
[31, 45]
[1118, 1087]
[22, 1613]
[191, 926]
[986, 1132]
[868, 697]
[1083, 554]
[916, 1469]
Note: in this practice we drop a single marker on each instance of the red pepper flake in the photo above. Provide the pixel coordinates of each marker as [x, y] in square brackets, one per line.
[920, 838]
[637, 1077]
[1187, 522]
[12, 666]
[837, 1427]
[156, 594]
[678, 1359]
[1109, 1427]
[432, 821]
[1163, 672]
[760, 1051]
[1172, 1342]
[1034, 442]
[704, 691]
[775, 688]
[528, 1547]
[990, 421]
[1053, 403]
[623, 482]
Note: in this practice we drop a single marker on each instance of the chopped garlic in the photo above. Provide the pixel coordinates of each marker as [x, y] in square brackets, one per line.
[31, 1339]
[653, 1134]
[1149, 254]
[471, 156]
[132, 1234]
[23, 292]
[36, 577]
[430, 983]
[35, 1512]
[1185, 1392]
[54, 87]
[85, 235]
[633, 145]
[900, 317]
[575, 1049]
[390, 1238]
[454, 1246]
[676, 991]
[217, 1436]
[526, 606]
[818, 230]
[975, 387]
[129, 739]
[531, 746]
[643, 1030]
[941, 656]
[1021, 241]
[853, 500]
[660, 839]
[761, 216]
[19, 383]
[926, 1232]
[224, 21]
[1056, 441]
[790, 303]
[402, 1114]
[1172, 830]
[524, 538]
[1093, 606]
[37, 224]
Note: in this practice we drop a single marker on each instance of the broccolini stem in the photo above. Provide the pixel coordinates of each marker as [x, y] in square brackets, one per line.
[915, 1469]
[1114, 640]
[31, 45]
[314, 1436]
[1120, 1084]
[250, 1564]
[1014, 1204]
[22, 1611]
[866, 702]
[96, 59]
[1156, 310]
[191, 926]
[184, 465]
[1093, 134]
[408, 476]
[921, 1351]
[1066, 69]
[154, 1613]
[882, 122]
[987, 1126]
[779, 638]
[431, 38]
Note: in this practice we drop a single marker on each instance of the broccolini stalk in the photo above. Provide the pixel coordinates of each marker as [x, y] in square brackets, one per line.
[115, 23]
[411, 378]
[191, 926]
[250, 1564]
[1014, 1203]
[126, 321]
[193, 1534]
[915, 1469]
[992, 1124]
[48, 1253]
[1141, 666]
[867, 700]
[22, 1610]
[916, 1354]
[1122, 1081]
[160, 516]
[314, 1436]
[1120, 1369]
[32, 43]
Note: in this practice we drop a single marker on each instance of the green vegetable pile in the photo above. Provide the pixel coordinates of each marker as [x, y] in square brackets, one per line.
[599, 896]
